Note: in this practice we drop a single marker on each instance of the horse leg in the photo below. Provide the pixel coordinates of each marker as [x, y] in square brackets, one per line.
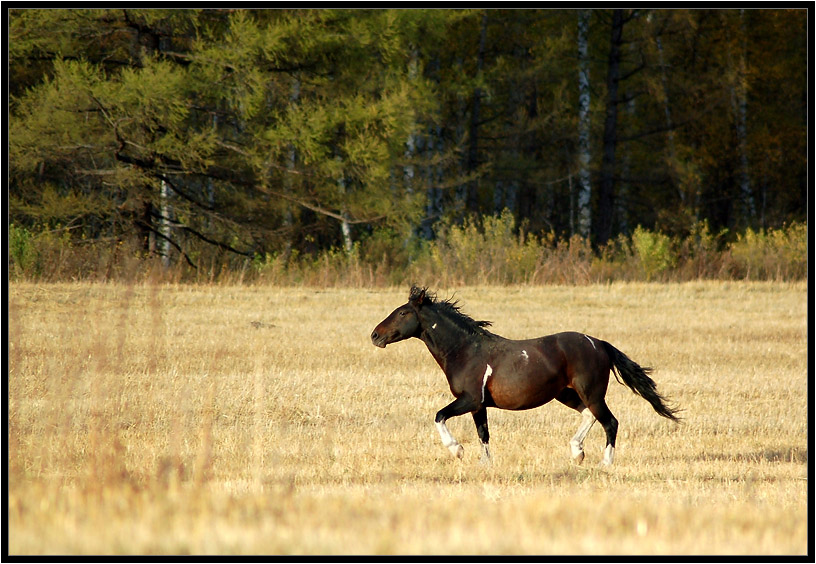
[461, 405]
[600, 410]
[570, 398]
[590, 379]
[480, 419]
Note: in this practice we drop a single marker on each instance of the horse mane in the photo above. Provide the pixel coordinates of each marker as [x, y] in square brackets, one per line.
[451, 309]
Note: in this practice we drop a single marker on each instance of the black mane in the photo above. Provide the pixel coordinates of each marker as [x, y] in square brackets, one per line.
[451, 309]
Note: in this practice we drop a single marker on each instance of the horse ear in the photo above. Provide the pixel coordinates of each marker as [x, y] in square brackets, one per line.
[417, 295]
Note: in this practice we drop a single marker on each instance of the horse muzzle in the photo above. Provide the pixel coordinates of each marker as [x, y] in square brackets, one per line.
[379, 340]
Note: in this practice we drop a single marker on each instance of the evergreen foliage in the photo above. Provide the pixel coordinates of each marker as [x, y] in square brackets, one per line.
[231, 137]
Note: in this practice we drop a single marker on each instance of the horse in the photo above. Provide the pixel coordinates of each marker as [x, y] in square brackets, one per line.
[486, 370]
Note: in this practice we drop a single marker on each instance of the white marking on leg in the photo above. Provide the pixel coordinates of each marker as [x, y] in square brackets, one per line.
[609, 455]
[487, 374]
[486, 459]
[577, 441]
[448, 440]
[591, 341]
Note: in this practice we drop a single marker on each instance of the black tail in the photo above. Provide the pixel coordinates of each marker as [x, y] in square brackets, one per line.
[637, 379]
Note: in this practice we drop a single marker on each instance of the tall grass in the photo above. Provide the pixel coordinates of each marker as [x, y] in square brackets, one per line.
[215, 419]
[485, 251]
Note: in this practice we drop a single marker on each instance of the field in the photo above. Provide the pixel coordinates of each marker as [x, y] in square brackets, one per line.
[259, 420]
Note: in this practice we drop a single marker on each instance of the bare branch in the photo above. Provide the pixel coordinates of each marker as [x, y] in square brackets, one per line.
[169, 240]
[321, 210]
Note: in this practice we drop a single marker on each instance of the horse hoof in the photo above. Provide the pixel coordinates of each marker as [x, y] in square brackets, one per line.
[457, 450]
[578, 459]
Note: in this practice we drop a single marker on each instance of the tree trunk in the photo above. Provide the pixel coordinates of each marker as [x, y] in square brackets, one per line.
[584, 185]
[606, 185]
[475, 116]
[345, 226]
[291, 159]
[525, 198]
[143, 224]
[671, 156]
[164, 224]
[434, 176]
[434, 171]
[413, 141]
[740, 102]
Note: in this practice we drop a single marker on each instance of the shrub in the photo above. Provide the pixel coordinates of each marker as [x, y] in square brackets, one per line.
[23, 256]
[484, 252]
[654, 251]
[700, 255]
[773, 254]
[489, 250]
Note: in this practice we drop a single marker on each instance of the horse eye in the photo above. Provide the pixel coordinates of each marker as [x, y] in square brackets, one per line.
[403, 313]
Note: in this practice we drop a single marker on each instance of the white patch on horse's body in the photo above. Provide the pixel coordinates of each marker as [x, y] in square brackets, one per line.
[448, 440]
[577, 441]
[591, 341]
[524, 355]
[488, 372]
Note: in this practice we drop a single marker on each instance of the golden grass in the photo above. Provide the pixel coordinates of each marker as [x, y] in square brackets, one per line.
[247, 420]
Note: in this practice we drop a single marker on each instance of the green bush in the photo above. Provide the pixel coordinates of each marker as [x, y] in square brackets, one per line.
[486, 251]
[23, 255]
[654, 251]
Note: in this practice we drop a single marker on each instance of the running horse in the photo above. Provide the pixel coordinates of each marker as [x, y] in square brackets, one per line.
[486, 370]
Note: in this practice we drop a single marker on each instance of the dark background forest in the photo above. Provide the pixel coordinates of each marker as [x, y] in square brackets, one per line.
[215, 140]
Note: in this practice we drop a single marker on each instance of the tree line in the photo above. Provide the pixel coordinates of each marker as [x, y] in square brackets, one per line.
[292, 131]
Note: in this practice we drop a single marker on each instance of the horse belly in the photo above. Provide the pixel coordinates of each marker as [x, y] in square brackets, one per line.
[516, 393]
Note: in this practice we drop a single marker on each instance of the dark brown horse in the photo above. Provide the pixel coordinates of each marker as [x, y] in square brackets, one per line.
[486, 370]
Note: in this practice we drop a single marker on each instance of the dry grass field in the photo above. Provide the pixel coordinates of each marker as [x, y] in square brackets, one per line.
[257, 420]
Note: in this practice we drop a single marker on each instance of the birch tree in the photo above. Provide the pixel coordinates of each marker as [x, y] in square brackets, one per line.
[584, 184]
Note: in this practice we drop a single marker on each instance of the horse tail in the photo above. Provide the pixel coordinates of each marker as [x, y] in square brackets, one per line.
[637, 379]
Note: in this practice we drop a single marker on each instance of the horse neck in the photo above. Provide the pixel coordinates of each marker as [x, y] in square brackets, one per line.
[443, 337]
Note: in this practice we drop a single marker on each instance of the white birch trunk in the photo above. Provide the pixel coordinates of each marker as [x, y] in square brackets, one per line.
[348, 244]
[413, 138]
[584, 179]
[164, 224]
[345, 226]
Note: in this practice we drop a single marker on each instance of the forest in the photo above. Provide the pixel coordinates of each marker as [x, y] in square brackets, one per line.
[396, 142]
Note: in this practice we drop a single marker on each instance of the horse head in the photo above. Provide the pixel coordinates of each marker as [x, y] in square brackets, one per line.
[402, 323]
